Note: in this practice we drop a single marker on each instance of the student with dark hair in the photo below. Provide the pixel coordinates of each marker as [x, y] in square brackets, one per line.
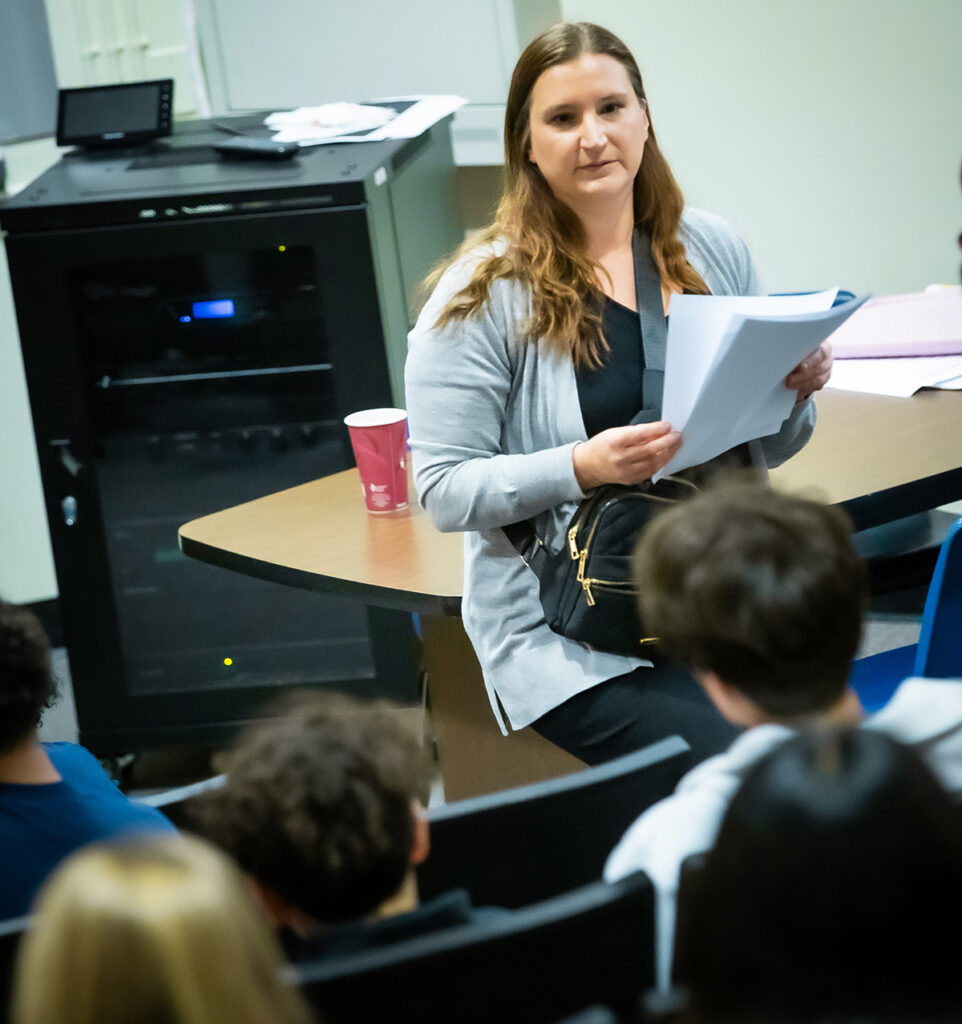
[762, 594]
[54, 797]
[322, 808]
[833, 892]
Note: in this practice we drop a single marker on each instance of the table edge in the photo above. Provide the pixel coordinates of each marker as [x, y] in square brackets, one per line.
[368, 593]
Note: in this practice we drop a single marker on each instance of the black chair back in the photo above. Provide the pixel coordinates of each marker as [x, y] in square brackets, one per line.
[527, 844]
[11, 932]
[690, 875]
[593, 947]
[177, 804]
[591, 1015]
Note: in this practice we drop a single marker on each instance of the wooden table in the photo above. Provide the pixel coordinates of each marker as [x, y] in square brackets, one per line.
[884, 458]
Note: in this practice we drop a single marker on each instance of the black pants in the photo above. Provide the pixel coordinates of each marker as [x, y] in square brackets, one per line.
[633, 710]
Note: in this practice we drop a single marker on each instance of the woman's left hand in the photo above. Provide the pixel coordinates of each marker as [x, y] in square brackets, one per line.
[812, 372]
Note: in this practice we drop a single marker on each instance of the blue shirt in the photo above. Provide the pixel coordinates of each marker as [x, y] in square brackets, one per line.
[42, 824]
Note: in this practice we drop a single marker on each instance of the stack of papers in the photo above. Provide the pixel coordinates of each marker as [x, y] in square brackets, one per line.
[728, 357]
[327, 121]
[925, 323]
[898, 377]
[397, 117]
[897, 344]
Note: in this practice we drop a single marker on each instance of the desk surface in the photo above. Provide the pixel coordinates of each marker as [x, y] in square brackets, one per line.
[884, 458]
[319, 536]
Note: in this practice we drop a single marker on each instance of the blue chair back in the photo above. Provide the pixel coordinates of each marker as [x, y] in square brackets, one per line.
[939, 653]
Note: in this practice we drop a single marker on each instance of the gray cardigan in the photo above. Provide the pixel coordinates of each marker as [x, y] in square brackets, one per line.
[493, 418]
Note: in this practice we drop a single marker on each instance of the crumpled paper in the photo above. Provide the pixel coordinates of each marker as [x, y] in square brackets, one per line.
[329, 120]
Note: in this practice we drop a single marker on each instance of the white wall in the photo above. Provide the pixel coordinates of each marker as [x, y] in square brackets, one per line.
[828, 131]
[26, 562]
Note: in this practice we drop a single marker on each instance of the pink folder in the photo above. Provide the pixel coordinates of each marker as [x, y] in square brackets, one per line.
[918, 324]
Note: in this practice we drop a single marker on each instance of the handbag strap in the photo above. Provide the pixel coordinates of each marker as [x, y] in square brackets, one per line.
[654, 345]
[654, 330]
[527, 543]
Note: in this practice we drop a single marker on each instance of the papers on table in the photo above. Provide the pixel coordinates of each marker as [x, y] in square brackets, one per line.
[899, 377]
[398, 117]
[909, 332]
[925, 323]
[328, 121]
[728, 357]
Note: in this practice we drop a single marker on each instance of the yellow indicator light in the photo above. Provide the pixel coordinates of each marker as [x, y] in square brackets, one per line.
[282, 248]
[228, 661]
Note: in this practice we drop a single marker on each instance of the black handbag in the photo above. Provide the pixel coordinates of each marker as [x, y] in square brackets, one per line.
[586, 588]
[587, 591]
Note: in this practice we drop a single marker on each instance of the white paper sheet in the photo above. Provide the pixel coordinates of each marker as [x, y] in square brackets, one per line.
[901, 377]
[327, 121]
[316, 126]
[697, 333]
[727, 361]
[427, 111]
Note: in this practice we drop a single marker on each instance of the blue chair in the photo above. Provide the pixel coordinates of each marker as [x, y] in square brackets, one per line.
[938, 654]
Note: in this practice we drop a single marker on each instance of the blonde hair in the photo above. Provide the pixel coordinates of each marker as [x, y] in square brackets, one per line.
[545, 240]
[160, 931]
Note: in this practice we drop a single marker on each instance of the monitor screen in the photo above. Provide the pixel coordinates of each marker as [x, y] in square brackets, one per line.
[115, 114]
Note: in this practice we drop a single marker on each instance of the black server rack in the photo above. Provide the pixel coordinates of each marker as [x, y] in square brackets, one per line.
[193, 332]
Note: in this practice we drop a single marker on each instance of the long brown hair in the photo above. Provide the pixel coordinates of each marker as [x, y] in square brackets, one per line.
[546, 247]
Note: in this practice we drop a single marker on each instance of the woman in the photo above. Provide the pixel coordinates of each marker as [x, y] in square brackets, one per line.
[161, 931]
[539, 343]
[833, 892]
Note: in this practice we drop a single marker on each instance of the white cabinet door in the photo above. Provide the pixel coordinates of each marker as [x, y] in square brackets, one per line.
[100, 42]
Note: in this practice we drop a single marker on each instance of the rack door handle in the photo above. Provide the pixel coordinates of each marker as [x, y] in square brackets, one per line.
[68, 460]
[69, 508]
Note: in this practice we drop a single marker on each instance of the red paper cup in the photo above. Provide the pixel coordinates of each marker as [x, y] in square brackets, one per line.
[379, 439]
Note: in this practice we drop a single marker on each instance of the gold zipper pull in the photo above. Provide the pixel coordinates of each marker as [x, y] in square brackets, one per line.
[573, 543]
[585, 582]
[582, 558]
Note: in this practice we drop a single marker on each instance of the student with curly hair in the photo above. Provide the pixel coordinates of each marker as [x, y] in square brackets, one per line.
[54, 797]
[159, 929]
[322, 808]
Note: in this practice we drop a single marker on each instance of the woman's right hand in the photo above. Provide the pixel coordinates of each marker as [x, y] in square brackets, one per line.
[624, 455]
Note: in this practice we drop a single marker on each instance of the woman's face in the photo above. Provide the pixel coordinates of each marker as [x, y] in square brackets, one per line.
[588, 132]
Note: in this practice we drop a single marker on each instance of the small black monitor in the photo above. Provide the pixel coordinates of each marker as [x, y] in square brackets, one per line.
[124, 115]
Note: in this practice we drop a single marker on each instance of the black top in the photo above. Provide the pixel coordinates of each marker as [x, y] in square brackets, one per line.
[448, 910]
[611, 395]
